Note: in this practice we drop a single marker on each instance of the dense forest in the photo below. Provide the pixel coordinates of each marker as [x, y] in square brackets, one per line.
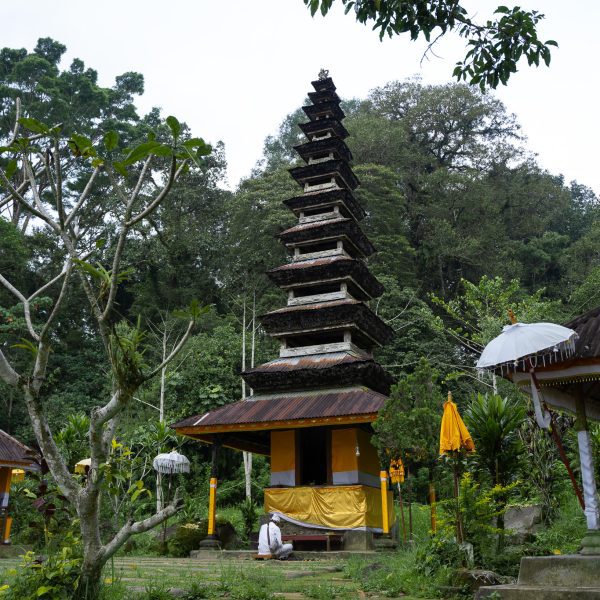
[466, 224]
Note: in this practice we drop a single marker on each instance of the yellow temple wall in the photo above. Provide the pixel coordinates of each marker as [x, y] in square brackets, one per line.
[347, 467]
[283, 457]
[331, 507]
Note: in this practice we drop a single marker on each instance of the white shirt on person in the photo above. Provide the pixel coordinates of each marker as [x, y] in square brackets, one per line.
[269, 532]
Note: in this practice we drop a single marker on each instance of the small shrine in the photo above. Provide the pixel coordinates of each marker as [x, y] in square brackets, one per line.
[312, 407]
[15, 458]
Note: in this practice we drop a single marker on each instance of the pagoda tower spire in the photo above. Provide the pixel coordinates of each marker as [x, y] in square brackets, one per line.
[327, 320]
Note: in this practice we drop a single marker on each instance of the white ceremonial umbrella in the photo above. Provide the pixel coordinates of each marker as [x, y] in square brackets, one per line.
[171, 462]
[528, 345]
[525, 346]
[168, 463]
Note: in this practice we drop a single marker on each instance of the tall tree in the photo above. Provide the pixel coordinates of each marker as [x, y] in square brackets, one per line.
[36, 179]
[495, 46]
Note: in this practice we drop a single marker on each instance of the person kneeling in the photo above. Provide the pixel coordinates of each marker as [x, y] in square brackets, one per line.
[269, 540]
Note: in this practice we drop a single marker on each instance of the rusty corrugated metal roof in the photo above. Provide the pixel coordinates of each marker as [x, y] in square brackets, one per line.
[587, 327]
[313, 361]
[314, 224]
[13, 451]
[313, 306]
[289, 408]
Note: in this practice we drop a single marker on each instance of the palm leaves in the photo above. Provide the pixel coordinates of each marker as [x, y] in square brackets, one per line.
[494, 424]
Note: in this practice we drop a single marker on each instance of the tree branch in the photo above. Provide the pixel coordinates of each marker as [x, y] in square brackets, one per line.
[173, 175]
[7, 373]
[130, 528]
[26, 309]
[174, 352]
[82, 197]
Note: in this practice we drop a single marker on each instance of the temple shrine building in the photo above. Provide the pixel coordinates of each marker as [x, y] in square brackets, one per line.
[312, 407]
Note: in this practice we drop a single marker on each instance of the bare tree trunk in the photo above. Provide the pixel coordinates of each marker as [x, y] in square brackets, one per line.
[247, 455]
[161, 412]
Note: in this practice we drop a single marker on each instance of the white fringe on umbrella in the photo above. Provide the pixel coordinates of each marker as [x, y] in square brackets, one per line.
[171, 462]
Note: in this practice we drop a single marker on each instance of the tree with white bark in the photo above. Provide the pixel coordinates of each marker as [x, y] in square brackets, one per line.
[54, 180]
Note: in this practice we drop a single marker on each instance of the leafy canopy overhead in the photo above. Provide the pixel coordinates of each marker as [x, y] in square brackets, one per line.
[494, 48]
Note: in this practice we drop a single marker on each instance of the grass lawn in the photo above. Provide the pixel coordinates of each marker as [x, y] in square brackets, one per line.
[234, 578]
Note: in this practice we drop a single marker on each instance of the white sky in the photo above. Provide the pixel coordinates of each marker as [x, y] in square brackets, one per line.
[233, 69]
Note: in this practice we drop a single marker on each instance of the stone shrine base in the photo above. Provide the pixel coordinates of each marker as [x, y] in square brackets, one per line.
[567, 577]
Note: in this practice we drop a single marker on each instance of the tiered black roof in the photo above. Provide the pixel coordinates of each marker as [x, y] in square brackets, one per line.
[327, 328]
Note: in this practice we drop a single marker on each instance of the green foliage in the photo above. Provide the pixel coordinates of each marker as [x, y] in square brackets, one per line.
[54, 578]
[494, 423]
[187, 538]
[495, 47]
[72, 439]
[478, 508]
[409, 423]
[249, 510]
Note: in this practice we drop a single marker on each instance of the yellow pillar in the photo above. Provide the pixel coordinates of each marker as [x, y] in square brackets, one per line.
[6, 521]
[384, 502]
[212, 505]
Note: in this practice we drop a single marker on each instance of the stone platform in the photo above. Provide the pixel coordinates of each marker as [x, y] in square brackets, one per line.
[298, 555]
[568, 577]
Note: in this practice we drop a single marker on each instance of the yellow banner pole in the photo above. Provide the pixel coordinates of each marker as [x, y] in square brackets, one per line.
[432, 507]
[384, 502]
[212, 505]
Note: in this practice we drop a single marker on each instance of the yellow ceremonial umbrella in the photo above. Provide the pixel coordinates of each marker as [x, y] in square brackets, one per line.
[454, 437]
[18, 475]
[83, 466]
[397, 470]
[397, 476]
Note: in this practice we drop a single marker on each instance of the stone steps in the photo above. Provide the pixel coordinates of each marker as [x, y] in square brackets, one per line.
[530, 592]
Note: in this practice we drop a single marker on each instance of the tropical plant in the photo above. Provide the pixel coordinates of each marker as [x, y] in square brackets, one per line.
[494, 423]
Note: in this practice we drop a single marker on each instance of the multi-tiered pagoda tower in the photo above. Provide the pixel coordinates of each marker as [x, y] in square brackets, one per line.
[312, 408]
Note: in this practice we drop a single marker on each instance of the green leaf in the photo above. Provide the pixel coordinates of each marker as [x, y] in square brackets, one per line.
[140, 152]
[89, 269]
[100, 243]
[80, 145]
[175, 126]
[111, 140]
[198, 144]
[162, 151]
[551, 43]
[11, 168]
[34, 125]
[43, 589]
[27, 345]
[120, 168]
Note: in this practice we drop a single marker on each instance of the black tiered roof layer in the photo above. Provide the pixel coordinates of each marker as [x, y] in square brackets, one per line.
[318, 371]
[323, 198]
[322, 127]
[329, 229]
[333, 145]
[329, 268]
[336, 315]
[323, 110]
[337, 169]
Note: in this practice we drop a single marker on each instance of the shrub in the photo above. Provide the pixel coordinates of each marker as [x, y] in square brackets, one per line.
[55, 578]
[187, 538]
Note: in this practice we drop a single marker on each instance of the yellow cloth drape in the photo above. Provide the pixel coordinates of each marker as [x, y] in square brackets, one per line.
[454, 435]
[397, 471]
[335, 507]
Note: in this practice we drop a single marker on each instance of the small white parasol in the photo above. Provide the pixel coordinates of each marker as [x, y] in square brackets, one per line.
[171, 462]
[541, 343]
